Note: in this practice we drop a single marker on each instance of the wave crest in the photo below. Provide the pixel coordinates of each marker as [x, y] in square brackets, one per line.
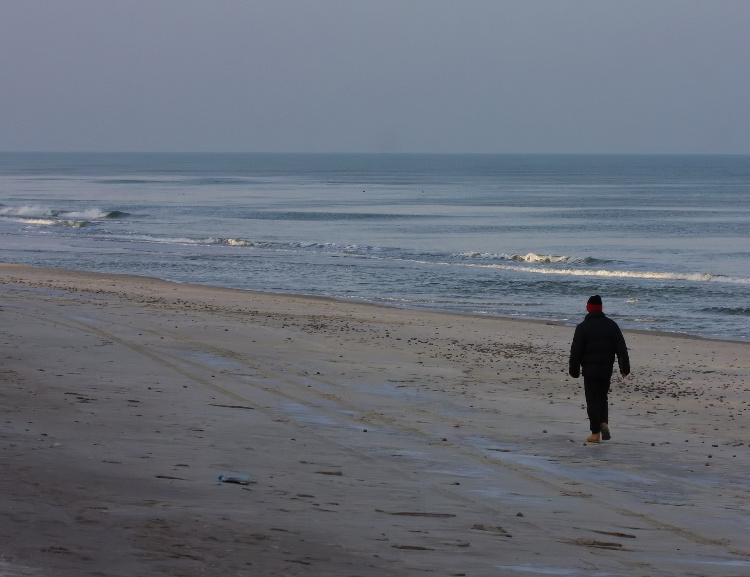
[39, 211]
[603, 273]
[528, 257]
[533, 257]
[28, 211]
[55, 222]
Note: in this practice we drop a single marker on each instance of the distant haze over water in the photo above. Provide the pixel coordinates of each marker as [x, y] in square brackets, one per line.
[664, 239]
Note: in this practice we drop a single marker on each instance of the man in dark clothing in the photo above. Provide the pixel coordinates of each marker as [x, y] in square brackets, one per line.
[595, 343]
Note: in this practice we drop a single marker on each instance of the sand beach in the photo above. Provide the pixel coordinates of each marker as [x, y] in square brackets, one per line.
[378, 441]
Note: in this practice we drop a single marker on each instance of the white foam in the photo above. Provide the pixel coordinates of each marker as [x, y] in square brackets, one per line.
[602, 273]
[90, 213]
[39, 211]
[533, 257]
[54, 222]
[238, 242]
[35, 210]
[39, 221]
[528, 257]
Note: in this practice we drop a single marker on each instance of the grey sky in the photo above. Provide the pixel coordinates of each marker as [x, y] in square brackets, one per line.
[634, 76]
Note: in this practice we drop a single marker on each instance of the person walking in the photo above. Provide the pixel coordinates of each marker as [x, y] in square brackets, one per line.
[596, 342]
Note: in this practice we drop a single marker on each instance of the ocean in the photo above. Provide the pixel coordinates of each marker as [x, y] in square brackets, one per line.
[665, 240]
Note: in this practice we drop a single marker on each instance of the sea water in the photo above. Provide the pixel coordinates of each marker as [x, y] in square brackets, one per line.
[665, 240]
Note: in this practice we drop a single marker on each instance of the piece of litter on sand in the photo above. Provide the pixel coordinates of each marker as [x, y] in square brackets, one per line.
[238, 479]
[232, 406]
[417, 513]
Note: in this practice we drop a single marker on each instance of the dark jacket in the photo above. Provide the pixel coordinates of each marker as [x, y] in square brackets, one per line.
[595, 343]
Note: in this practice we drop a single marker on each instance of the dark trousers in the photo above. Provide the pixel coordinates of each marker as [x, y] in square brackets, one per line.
[597, 405]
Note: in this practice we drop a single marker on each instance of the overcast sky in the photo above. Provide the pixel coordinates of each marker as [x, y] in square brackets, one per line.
[633, 76]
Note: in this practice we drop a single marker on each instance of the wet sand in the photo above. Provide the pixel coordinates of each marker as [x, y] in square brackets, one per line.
[379, 441]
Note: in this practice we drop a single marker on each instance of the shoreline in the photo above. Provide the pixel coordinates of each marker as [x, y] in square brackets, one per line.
[360, 302]
[378, 440]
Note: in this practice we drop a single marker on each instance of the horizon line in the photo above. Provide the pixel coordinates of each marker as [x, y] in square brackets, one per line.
[384, 153]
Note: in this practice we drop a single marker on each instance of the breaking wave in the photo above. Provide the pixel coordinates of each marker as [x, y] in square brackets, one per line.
[38, 211]
[529, 257]
[37, 215]
[55, 222]
[603, 273]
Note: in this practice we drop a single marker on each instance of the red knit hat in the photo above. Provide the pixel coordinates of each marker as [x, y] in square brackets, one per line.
[594, 304]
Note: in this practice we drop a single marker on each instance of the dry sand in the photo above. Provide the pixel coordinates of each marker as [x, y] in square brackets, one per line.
[379, 441]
